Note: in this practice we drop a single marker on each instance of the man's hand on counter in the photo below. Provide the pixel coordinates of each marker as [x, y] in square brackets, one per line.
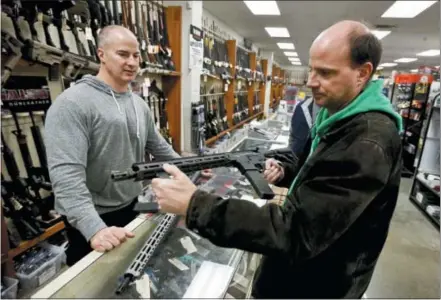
[174, 194]
[110, 237]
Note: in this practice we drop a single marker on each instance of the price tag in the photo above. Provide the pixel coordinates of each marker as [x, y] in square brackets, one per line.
[205, 77]
[249, 83]
[63, 24]
[419, 197]
[147, 81]
[143, 286]
[178, 264]
[188, 245]
[89, 35]
[239, 84]
[143, 45]
[145, 90]
[226, 87]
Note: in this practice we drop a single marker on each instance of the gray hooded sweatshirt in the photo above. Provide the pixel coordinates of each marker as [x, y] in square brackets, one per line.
[90, 131]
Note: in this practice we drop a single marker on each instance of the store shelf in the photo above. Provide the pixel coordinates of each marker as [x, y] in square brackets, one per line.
[432, 219]
[215, 138]
[26, 245]
[427, 186]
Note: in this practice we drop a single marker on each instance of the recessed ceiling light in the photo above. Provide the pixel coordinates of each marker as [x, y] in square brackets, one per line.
[277, 31]
[263, 8]
[405, 60]
[407, 9]
[290, 53]
[380, 68]
[432, 52]
[380, 33]
[286, 46]
[293, 58]
[414, 71]
[296, 63]
[388, 65]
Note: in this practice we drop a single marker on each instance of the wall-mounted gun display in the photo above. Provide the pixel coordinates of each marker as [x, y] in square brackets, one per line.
[27, 95]
[54, 31]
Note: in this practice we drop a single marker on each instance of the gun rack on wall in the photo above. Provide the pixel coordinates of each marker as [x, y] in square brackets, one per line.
[23, 54]
[241, 95]
[33, 59]
[277, 86]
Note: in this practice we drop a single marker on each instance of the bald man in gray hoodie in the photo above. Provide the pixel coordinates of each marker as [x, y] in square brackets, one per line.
[92, 128]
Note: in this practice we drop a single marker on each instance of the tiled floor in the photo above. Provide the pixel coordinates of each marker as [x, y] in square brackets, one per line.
[409, 266]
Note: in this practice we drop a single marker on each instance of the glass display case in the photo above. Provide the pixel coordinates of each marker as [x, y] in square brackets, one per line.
[184, 265]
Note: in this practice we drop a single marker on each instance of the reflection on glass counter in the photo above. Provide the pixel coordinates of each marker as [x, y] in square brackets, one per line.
[250, 143]
[184, 261]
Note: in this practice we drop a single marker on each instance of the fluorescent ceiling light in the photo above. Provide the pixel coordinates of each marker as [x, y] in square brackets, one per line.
[407, 9]
[286, 46]
[263, 8]
[380, 33]
[293, 59]
[277, 31]
[405, 60]
[290, 53]
[414, 71]
[432, 52]
[296, 63]
[388, 65]
[380, 68]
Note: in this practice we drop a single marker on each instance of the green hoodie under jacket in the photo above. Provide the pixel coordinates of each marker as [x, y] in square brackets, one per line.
[370, 99]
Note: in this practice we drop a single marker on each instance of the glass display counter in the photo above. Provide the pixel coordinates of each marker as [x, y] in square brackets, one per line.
[184, 264]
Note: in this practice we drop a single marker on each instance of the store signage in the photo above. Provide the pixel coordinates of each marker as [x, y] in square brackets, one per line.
[25, 93]
[196, 48]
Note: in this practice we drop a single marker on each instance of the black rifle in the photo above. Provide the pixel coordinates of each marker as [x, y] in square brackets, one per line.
[19, 187]
[81, 9]
[151, 61]
[138, 265]
[39, 142]
[12, 47]
[108, 12]
[165, 49]
[139, 34]
[153, 99]
[249, 163]
[153, 33]
[222, 113]
[252, 162]
[38, 176]
[116, 17]
[21, 215]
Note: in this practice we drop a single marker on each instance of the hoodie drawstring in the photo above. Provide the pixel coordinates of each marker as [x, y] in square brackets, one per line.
[134, 107]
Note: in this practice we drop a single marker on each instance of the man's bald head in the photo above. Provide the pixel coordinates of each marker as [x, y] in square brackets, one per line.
[354, 37]
[342, 60]
[114, 33]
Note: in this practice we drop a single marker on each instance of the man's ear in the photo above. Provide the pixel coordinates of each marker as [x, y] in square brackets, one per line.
[364, 73]
[101, 55]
